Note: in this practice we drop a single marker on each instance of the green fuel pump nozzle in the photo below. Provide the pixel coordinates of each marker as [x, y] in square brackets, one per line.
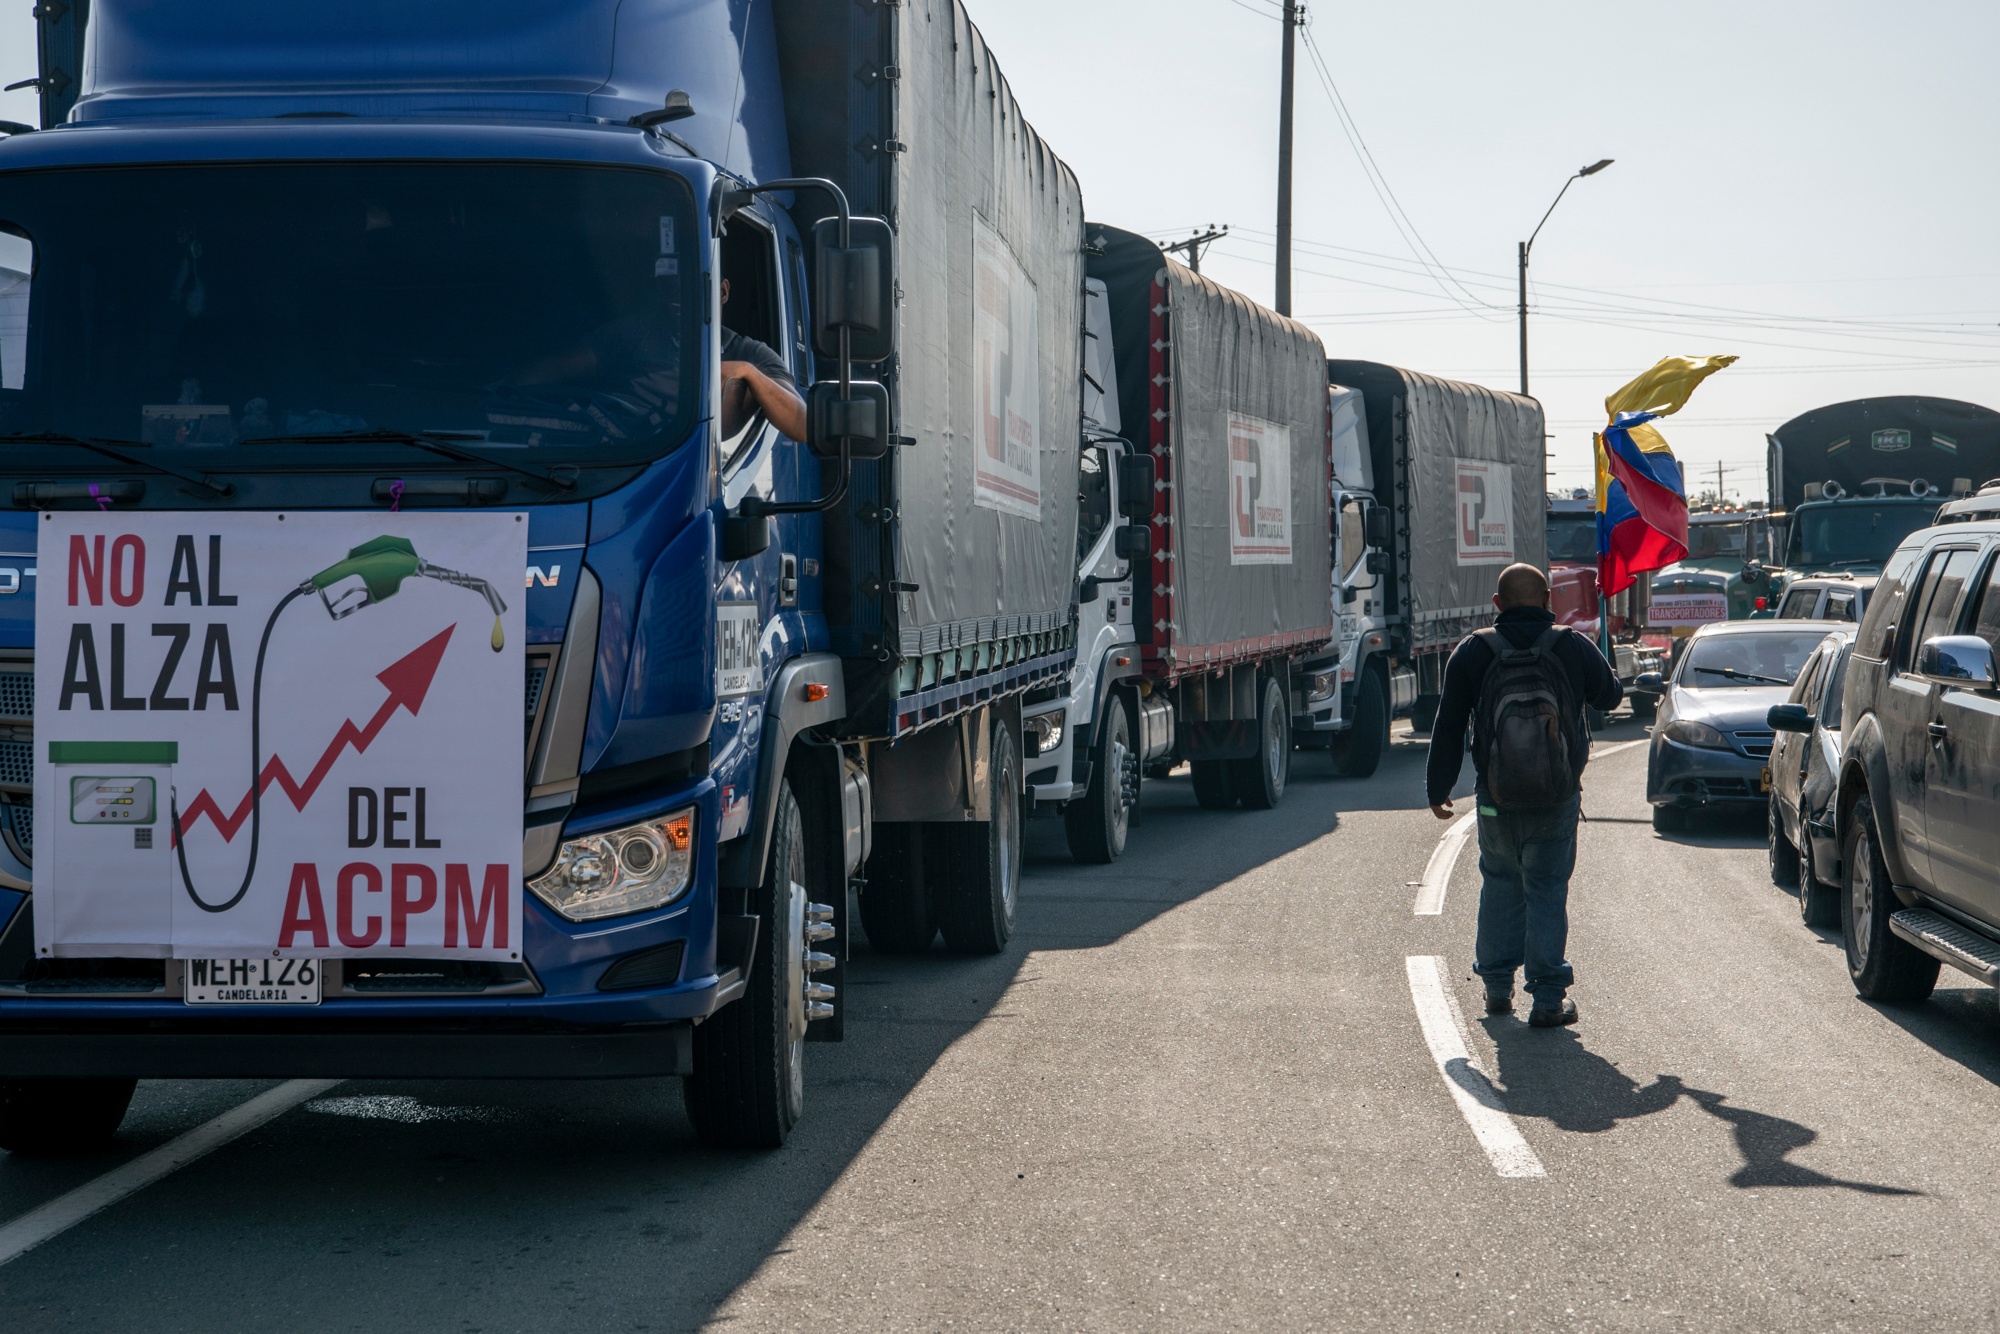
[375, 570]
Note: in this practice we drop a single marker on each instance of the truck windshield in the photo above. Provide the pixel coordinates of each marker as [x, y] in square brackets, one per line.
[1706, 541]
[234, 316]
[1849, 532]
[1573, 537]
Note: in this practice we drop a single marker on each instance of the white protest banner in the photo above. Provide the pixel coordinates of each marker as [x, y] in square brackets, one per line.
[367, 669]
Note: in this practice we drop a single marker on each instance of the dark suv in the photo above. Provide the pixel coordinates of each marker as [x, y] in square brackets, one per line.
[1919, 802]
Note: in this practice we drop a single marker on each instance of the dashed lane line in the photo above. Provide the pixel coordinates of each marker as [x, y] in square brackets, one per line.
[1444, 858]
[64, 1212]
[1478, 1102]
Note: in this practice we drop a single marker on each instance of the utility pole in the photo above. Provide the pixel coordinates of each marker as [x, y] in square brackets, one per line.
[1294, 12]
[1195, 244]
[1529, 244]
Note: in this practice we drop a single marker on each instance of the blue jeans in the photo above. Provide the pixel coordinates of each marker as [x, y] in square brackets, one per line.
[1525, 860]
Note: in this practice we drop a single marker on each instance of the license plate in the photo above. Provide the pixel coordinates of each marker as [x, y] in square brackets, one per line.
[1764, 780]
[253, 981]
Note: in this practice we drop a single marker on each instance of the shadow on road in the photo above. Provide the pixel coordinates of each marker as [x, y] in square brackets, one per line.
[1552, 1076]
[1959, 1023]
[505, 1205]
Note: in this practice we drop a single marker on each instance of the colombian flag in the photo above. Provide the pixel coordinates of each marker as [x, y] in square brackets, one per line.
[1642, 513]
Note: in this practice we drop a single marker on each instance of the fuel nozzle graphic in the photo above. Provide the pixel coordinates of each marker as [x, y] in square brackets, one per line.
[374, 571]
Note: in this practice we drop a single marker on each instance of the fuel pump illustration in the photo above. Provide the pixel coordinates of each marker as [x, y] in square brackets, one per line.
[369, 574]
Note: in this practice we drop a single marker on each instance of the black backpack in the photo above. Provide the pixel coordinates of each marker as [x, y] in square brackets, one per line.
[1529, 726]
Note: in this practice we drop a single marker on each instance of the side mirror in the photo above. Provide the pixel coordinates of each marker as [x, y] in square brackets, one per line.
[745, 536]
[1790, 718]
[1965, 660]
[1086, 592]
[1650, 683]
[862, 419]
[1378, 530]
[1136, 476]
[1378, 562]
[855, 289]
[1349, 594]
[1133, 541]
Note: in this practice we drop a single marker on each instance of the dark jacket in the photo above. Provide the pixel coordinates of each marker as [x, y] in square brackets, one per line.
[1588, 672]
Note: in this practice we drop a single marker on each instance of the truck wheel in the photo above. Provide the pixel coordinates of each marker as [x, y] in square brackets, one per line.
[49, 1117]
[1645, 708]
[1819, 903]
[1212, 788]
[748, 1085]
[1884, 966]
[1260, 780]
[1424, 712]
[1780, 851]
[895, 901]
[979, 883]
[1357, 752]
[1098, 824]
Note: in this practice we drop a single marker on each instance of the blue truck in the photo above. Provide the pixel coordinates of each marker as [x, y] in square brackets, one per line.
[491, 256]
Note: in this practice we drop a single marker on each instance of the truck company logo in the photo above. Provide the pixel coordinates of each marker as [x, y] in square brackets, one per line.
[1890, 441]
[1485, 512]
[300, 781]
[1260, 491]
[1006, 334]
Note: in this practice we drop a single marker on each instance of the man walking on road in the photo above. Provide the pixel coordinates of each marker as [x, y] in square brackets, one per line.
[1524, 685]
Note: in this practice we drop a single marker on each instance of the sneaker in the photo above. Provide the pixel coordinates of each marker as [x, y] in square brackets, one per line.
[1542, 1017]
[1500, 1002]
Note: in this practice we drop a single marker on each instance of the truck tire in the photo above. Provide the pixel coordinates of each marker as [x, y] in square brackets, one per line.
[1259, 781]
[1884, 966]
[1098, 823]
[978, 884]
[748, 1085]
[895, 902]
[1644, 707]
[1212, 789]
[1357, 752]
[51, 1117]
[1780, 851]
[1424, 712]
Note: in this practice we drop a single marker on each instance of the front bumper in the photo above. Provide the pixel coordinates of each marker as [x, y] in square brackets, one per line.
[1700, 776]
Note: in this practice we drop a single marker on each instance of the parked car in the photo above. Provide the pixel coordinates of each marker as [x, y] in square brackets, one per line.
[1712, 738]
[1826, 598]
[1804, 774]
[1919, 802]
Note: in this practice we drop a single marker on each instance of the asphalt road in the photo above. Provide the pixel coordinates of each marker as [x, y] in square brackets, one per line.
[1196, 1091]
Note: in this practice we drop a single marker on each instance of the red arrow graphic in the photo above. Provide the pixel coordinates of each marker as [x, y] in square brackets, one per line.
[407, 680]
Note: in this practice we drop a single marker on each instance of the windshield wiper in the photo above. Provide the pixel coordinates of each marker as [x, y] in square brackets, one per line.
[1735, 675]
[1858, 560]
[115, 449]
[562, 478]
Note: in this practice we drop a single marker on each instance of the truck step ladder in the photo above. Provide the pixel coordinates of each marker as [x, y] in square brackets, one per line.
[1961, 947]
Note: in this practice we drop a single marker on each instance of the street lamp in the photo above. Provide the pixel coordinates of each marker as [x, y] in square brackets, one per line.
[1529, 244]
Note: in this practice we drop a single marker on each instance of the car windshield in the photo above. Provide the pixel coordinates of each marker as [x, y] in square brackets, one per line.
[1709, 540]
[1749, 658]
[209, 313]
[1852, 533]
[1573, 537]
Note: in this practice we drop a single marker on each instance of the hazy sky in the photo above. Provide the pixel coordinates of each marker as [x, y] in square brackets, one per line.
[1811, 186]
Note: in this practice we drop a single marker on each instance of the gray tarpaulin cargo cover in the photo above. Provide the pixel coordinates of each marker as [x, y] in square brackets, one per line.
[1464, 470]
[1231, 399]
[955, 558]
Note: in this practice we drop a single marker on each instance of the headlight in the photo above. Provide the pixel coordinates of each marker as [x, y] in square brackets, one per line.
[622, 870]
[1045, 730]
[1321, 686]
[1696, 734]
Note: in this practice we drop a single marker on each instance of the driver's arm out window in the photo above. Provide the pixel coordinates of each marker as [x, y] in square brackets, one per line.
[17, 266]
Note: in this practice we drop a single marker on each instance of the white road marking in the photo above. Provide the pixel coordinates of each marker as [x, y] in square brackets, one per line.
[1599, 752]
[1437, 872]
[66, 1211]
[1444, 1034]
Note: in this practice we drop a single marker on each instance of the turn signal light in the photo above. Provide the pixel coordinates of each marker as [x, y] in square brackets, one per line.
[815, 692]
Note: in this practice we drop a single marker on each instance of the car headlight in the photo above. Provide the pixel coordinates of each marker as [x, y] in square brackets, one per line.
[1696, 734]
[621, 870]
